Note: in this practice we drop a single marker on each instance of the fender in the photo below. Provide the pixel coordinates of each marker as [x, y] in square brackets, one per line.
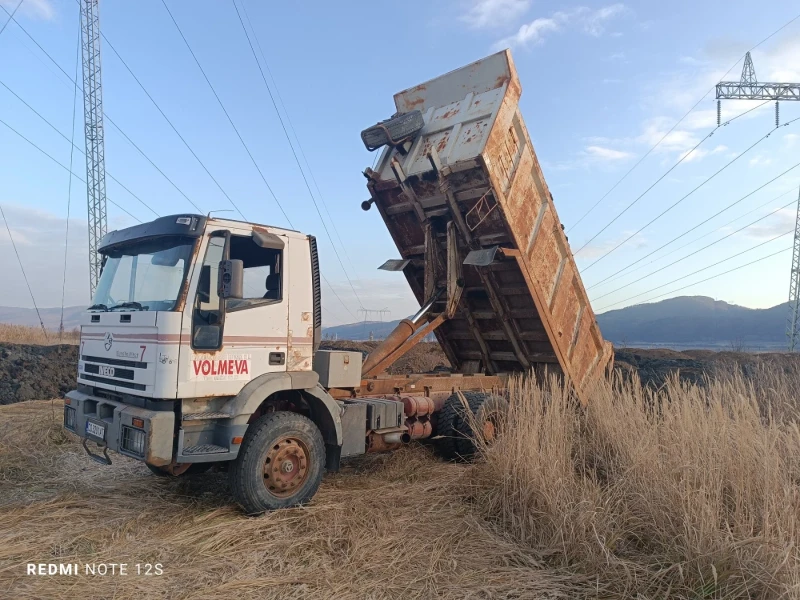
[262, 387]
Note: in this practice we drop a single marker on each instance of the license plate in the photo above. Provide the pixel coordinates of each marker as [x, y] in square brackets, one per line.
[106, 371]
[95, 430]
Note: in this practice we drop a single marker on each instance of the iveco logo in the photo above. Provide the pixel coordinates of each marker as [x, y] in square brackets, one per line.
[109, 340]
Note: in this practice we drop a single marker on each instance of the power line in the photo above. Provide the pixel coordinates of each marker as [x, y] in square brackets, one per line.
[714, 243]
[704, 268]
[74, 83]
[69, 192]
[169, 122]
[713, 276]
[297, 139]
[658, 143]
[22, 268]
[10, 16]
[72, 142]
[697, 239]
[657, 181]
[665, 211]
[690, 255]
[325, 279]
[297, 160]
[676, 238]
[66, 168]
[224, 110]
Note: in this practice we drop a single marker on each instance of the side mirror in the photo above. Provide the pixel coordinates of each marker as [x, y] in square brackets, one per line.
[231, 279]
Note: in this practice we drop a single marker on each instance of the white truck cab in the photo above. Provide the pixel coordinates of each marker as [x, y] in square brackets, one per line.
[194, 323]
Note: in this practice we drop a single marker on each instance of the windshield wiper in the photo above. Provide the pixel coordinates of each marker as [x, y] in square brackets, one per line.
[132, 304]
[98, 307]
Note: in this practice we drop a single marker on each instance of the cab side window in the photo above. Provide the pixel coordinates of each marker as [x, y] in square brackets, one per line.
[207, 316]
[263, 273]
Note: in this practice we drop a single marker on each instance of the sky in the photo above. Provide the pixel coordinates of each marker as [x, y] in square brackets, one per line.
[602, 83]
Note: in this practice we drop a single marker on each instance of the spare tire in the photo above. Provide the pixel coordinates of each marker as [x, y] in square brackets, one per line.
[456, 438]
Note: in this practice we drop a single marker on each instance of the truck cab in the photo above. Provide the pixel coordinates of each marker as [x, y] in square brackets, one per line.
[194, 323]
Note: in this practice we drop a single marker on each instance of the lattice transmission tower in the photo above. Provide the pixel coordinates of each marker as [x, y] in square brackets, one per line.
[793, 325]
[749, 88]
[93, 127]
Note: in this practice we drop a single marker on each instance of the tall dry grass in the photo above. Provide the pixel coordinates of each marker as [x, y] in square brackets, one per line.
[685, 492]
[23, 334]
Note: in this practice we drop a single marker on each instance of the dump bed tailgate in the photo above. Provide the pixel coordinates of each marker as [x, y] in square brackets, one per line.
[523, 304]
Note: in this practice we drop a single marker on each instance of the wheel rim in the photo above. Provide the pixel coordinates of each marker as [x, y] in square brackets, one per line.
[286, 467]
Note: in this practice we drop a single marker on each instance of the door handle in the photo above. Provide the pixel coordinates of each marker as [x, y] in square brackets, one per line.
[277, 358]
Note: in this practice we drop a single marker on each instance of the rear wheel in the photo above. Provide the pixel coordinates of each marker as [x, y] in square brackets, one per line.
[456, 439]
[280, 463]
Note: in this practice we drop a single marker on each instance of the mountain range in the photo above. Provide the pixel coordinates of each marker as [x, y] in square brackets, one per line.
[682, 322]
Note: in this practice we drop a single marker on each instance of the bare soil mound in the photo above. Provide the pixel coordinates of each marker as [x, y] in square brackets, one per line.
[29, 372]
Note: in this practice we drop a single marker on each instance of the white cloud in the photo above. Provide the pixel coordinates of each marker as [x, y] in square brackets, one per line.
[760, 161]
[790, 139]
[40, 9]
[532, 33]
[494, 13]
[608, 154]
[590, 22]
[700, 153]
[778, 224]
[595, 22]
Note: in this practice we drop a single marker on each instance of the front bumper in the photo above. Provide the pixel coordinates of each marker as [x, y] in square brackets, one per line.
[110, 424]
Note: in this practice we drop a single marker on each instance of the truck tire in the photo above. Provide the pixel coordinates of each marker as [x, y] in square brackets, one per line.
[280, 463]
[456, 439]
[194, 469]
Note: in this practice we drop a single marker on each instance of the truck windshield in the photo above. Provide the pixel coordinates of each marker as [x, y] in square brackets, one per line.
[145, 275]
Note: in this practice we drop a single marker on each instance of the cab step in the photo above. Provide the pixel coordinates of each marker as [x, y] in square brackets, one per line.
[202, 416]
[204, 449]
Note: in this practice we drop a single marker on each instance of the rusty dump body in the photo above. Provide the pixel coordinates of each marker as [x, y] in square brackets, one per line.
[467, 205]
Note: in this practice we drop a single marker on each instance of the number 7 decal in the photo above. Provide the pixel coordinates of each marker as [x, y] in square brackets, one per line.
[141, 358]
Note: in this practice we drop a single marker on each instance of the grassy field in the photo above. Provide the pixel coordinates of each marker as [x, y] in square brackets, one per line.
[22, 334]
[684, 493]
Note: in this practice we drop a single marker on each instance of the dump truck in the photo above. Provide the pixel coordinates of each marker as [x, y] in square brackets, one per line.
[201, 347]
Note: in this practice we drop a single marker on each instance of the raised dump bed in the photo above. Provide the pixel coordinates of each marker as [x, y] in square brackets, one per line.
[468, 188]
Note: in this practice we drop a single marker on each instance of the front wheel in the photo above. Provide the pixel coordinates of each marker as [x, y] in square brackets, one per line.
[280, 463]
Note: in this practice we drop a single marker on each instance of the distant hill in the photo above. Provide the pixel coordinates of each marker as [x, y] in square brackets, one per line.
[694, 320]
[50, 316]
[686, 321]
[360, 331]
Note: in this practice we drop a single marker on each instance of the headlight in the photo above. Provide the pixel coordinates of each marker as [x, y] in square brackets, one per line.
[393, 131]
[133, 440]
[69, 418]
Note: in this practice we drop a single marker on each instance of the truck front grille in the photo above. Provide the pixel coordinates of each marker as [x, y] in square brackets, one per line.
[133, 364]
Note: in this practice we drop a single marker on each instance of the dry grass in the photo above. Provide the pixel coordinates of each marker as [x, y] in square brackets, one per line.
[686, 493]
[22, 334]
[388, 526]
[681, 493]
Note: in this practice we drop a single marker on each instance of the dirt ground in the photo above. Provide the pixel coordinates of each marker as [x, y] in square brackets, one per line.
[396, 525]
[29, 372]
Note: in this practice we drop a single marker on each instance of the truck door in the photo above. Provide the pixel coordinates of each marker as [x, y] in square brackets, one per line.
[236, 339]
